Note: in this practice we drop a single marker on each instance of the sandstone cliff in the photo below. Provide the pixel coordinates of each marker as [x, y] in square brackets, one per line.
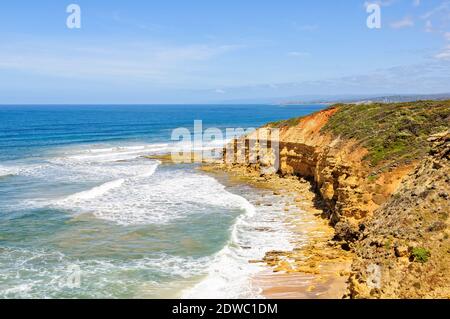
[404, 250]
[357, 157]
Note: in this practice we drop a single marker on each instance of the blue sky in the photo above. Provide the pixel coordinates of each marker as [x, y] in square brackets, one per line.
[206, 51]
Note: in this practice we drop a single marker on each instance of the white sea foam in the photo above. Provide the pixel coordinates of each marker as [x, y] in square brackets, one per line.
[172, 195]
[95, 178]
[151, 170]
[230, 274]
[134, 192]
[44, 274]
[115, 153]
[143, 171]
[7, 171]
[96, 191]
[77, 169]
[87, 163]
[97, 163]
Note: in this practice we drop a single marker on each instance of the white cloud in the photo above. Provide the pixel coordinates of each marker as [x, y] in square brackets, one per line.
[220, 91]
[416, 3]
[431, 77]
[150, 62]
[444, 55]
[406, 22]
[444, 7]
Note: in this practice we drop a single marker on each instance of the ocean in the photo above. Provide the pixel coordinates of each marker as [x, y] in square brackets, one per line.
[84, 215]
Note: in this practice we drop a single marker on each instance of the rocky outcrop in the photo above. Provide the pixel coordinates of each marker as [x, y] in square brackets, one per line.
[392, 213]
[404, 250]
[333, 165]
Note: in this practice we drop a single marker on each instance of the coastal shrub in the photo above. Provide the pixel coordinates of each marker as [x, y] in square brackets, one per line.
[391, 132]
[420, 254]
[286, 123]
[388, 244]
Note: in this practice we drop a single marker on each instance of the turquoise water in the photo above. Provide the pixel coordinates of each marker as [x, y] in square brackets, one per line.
[78, 200]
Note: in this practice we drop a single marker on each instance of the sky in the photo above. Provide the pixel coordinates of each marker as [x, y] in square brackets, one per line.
[204, 51]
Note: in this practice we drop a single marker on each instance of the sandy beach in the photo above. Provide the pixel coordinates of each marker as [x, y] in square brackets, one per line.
[317, 269]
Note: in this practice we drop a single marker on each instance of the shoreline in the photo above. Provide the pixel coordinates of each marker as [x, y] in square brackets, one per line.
[317, 269]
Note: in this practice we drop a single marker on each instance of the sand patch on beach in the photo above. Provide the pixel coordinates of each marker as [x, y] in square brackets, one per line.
[317, 269]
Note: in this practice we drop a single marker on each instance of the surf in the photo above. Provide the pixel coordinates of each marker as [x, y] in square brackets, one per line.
[96, 191]
[230, 273]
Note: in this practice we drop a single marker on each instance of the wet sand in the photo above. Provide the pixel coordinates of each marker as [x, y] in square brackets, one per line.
[316, 270]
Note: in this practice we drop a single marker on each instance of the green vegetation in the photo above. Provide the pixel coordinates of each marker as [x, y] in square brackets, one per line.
[285, 123]
[391, 132]
[420, 254]
[388, 244]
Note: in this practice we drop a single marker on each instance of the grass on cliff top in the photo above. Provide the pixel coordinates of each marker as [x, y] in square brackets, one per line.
[391, 132]
[286, 123]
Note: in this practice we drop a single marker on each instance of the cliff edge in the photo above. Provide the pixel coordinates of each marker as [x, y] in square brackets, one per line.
[383, 183]
[404, 250]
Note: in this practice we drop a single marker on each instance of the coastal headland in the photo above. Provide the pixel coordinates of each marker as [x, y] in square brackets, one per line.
[375, 181]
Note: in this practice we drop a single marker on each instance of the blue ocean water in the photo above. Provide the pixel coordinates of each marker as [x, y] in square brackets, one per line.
[84, 215]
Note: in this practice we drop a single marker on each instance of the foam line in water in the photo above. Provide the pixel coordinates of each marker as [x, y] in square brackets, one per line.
[4, 171]
[116, 153]
[109, 186]
[96, 191]
[43, 274]
[116, 156]
[230, 274]
[152, 170]
[173, 195]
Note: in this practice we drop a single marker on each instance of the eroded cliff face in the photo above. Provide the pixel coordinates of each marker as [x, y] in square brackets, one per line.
[404, 251]
[335, 167]
[395, 220]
